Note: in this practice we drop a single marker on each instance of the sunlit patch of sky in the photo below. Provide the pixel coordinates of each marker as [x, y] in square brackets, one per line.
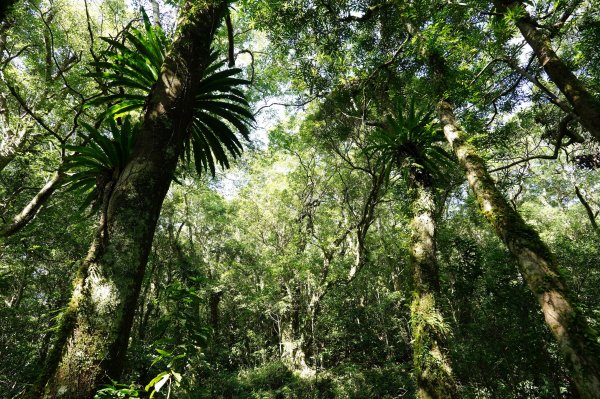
[228, 183]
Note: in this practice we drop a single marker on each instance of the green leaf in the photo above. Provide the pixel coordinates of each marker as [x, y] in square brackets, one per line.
[157, 382]
[163, 352]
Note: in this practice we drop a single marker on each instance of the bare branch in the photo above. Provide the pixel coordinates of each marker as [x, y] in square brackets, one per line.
[300, 104]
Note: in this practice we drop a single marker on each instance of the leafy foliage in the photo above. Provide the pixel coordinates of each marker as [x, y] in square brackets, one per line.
[131, 68]
[220, 110]
[408, 140]
[100, 161]
[230, 297]
[117, 391]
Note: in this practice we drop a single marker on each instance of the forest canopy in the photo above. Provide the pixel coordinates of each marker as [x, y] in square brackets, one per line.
[299, 199]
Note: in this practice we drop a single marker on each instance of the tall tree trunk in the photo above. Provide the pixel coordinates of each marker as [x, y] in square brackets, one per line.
[431, 364]
[292, 337]
[214, 300]
[92, 338]
[576, 340]
[585, 105]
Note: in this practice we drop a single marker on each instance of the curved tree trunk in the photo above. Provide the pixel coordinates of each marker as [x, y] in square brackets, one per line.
[585, 105]
[431, 364]
[92, 338]
[576, 340]
[588, 209]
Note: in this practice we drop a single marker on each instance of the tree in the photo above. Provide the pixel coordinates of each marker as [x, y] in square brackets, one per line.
[37, 52]
[407, 142]
[336, 259]
[109, 280]
[536, 263]
[585, 105]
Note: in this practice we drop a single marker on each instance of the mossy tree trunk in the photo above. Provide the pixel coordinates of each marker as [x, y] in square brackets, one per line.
[433, 372]
[93, 334]
[576, 340]
[292, 334]
[585, 105]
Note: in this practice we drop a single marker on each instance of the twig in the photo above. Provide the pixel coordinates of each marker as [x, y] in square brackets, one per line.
[301, 104]
[562, 131]
[388, 62]
[60, 71]
[28, 110]
[369, 12]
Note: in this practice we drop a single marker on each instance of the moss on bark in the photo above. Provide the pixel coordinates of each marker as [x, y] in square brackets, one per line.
[576, 340]
[432, 369]
[92, 341]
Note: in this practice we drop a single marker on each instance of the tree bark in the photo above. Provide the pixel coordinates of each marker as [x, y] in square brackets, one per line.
[292, 338]
[155, 12]
[13, 141]
[10, 148]
[585, 105]
[214, 300]
[576, 340]
[92, 338]
[433, 372]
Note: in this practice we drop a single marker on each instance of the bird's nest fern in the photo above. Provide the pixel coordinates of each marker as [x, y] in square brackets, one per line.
[99, 162]
[409, 139]
[221, 111]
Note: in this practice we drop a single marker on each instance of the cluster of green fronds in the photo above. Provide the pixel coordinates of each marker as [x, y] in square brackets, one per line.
[102, 159]
[408, 140]
[130, 70]
[128, 73]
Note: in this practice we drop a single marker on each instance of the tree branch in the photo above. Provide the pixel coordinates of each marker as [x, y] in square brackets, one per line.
[231, 44]
[32, 208]
[562, 131]
[588, 210]
[28, 110]
[300, 104]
